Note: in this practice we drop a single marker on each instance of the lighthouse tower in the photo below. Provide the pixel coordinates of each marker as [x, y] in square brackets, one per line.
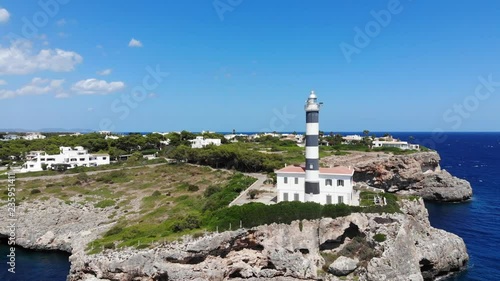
[312, 150]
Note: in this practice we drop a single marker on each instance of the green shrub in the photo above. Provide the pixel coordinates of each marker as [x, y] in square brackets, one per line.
[114, 230]
[105, 203]
[83, 177]
[379, 237]
[211, 190]
[185, 223]
[252, 194]
[193, 188]
[35, 191]
[156, 193]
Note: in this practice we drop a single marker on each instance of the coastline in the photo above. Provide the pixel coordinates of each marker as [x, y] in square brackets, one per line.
[71, 227]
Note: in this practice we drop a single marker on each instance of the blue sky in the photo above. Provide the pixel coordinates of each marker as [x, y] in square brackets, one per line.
[249, 65]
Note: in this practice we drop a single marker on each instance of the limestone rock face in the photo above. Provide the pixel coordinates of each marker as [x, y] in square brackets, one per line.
[412, 250]
[55, 225]
[416, 173]
[343, 266]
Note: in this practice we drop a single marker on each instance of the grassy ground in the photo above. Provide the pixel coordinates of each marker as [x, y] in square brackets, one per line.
[152, 203]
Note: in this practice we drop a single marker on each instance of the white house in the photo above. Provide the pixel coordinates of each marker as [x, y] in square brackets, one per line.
[395, 143]
[336, 185]
[352, 138]
[77, 156]
[34, 136]
[200, 142]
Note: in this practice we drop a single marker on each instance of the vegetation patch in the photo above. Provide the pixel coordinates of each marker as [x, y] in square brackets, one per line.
[105, 203]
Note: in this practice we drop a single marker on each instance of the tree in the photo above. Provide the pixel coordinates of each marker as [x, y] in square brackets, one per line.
[366, 133]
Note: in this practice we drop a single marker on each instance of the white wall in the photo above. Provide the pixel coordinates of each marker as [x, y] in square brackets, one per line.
[75, 157]
[334, 191]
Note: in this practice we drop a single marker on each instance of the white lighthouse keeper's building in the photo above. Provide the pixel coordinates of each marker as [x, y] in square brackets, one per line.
[310, 183]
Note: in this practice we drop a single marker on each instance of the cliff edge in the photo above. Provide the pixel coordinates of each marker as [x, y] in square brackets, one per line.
[400, 246]
[417, 173]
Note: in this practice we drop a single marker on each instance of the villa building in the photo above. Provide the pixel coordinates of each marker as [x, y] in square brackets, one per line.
[200, 142]
[77, 156]
[395, 143]
[34, 136]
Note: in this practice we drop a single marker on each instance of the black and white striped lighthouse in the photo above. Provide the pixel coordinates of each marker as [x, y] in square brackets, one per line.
[312, 150]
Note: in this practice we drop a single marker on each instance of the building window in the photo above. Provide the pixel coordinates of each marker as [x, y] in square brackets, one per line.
[31, 166]
[296, 180]
[296, 197]
[340, 182]
[341, 200]
[285, 179]
[104, 158]
[51, 159]
[328, 182]
[42, 159]
[285, 196]
[73, 159]
[82, 159]
[328, 199]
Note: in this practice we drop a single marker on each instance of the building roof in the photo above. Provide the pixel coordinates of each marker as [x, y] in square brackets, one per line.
[340, 170]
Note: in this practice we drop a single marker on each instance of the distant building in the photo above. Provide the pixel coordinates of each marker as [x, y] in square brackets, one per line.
[310, 183]
[395, 143]
[34, 136]
[352, 138]
[200, 142]
[10, 137]
[77, 156]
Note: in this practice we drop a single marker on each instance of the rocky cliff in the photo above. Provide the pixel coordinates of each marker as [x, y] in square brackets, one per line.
[417, 173]
[401, 246]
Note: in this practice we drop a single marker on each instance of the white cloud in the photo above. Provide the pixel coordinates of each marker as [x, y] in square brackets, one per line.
[134, 43]
[37, 86]
[3, 82]
[104, 72]
[4, 15]
[61, 22]
[94, 86]
[20, 58]
[90, 109]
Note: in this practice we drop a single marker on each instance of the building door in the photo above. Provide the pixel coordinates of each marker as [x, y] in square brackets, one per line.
[296, 197]
[285, 196]
[341, 199]
[328, 199]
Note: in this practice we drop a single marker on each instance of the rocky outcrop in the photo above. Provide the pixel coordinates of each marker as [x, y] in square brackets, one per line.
[417, 173]
[411, 250]
[55, 225]
[343, 266]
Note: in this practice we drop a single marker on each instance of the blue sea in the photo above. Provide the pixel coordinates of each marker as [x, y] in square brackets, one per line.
[472, 156]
